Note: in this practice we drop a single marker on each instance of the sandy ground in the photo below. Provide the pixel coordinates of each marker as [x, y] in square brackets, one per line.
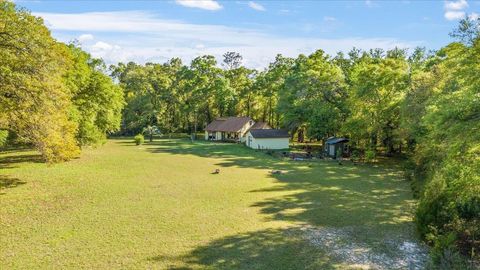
[392, 252]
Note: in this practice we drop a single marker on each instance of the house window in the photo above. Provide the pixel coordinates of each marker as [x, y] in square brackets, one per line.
[251, 123]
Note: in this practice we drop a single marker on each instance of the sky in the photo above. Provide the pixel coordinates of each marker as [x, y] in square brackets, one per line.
[155, 31]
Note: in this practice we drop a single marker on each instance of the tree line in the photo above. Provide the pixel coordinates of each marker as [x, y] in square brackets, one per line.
[53, 96]
[424, 105]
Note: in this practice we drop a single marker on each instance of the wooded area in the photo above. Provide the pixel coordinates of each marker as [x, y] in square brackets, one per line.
[423, 104]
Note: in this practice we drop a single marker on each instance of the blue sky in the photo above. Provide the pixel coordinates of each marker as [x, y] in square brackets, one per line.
[155, 31]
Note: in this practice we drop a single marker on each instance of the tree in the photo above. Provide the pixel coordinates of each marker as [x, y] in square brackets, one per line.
[467, 31]
[378, 88]
[268, 85]
[97, 100]
[34, 101]
[232, 60]
[448, 151]
[313, 96]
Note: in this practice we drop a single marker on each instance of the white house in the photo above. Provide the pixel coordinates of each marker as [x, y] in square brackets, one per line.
[267, 139]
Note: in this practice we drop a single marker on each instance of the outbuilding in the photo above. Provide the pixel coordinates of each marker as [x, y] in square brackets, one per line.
[333, 144]
[267, 139]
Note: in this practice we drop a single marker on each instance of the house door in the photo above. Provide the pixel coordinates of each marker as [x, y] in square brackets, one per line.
[331, 150]
[249, 141]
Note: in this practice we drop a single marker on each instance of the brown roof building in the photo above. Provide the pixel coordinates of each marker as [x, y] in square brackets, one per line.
[229, 124]
[228, 128]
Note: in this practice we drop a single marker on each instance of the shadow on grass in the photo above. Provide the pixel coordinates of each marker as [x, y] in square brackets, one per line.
[12, 159]
[7, 182]
[322, 193]
[265, 249]
[316, 193]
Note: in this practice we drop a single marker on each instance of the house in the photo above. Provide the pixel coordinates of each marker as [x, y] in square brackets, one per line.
[228, 128]
[267, 139]
[332, 145]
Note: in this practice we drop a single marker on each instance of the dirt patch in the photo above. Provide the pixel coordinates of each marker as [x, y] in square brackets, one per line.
[393, 252]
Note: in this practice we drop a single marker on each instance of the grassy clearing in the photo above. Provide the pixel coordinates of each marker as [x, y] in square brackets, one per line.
[158, 206]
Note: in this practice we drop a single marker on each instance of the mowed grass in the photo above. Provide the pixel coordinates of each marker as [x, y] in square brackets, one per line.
[157, 206]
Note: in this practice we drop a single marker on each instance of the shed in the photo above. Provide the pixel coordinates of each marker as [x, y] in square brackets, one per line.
[267, 139]
[332, 145]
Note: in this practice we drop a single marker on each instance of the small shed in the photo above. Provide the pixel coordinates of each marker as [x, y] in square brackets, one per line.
[267, 139]
[332, 145]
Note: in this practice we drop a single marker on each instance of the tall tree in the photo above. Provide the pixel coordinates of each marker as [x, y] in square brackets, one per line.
[378, 88]
[313, 96]
[34, 101]
[97, 100]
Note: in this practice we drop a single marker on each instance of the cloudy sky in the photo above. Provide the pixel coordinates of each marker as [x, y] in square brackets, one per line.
[154, 31]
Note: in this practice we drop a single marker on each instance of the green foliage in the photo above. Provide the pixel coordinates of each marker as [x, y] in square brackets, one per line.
[139, 139]
[313, 95]
[34, 100]
[97, 100]
[3, 137]
[355, 157]
[378, 86]
[444, 254]
[448, 151]
[53, 96]
[370, 155]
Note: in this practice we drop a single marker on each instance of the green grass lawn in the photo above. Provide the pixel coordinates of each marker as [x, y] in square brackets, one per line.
[158, 206]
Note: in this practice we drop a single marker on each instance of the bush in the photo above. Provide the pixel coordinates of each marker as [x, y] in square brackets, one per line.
[139, 139]
[370, 155]
[448, 215]
[355, 156]
[444, 254]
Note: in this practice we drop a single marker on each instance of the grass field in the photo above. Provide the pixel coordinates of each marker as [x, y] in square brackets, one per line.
[158, 206]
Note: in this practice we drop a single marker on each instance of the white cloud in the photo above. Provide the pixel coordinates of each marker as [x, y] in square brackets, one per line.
[100, 45]
[256, 6]
[85, 37]
[474, 16]
[202, 4]
[454, 15]
[329, 19]
[456, 5]
[142, 37]
[454, 9]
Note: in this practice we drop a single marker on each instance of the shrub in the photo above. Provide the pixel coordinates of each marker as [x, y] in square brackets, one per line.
[444, 254]
[355, 156]
[370, 155]
[448, 215]
[139, 139]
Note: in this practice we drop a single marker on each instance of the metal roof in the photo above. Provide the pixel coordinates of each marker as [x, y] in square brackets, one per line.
[269, 133]
[334, 140]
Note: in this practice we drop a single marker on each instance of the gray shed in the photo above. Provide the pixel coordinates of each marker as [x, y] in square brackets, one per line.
[332, 145]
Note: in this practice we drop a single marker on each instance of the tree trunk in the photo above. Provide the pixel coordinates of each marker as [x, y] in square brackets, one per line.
[300, 136]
